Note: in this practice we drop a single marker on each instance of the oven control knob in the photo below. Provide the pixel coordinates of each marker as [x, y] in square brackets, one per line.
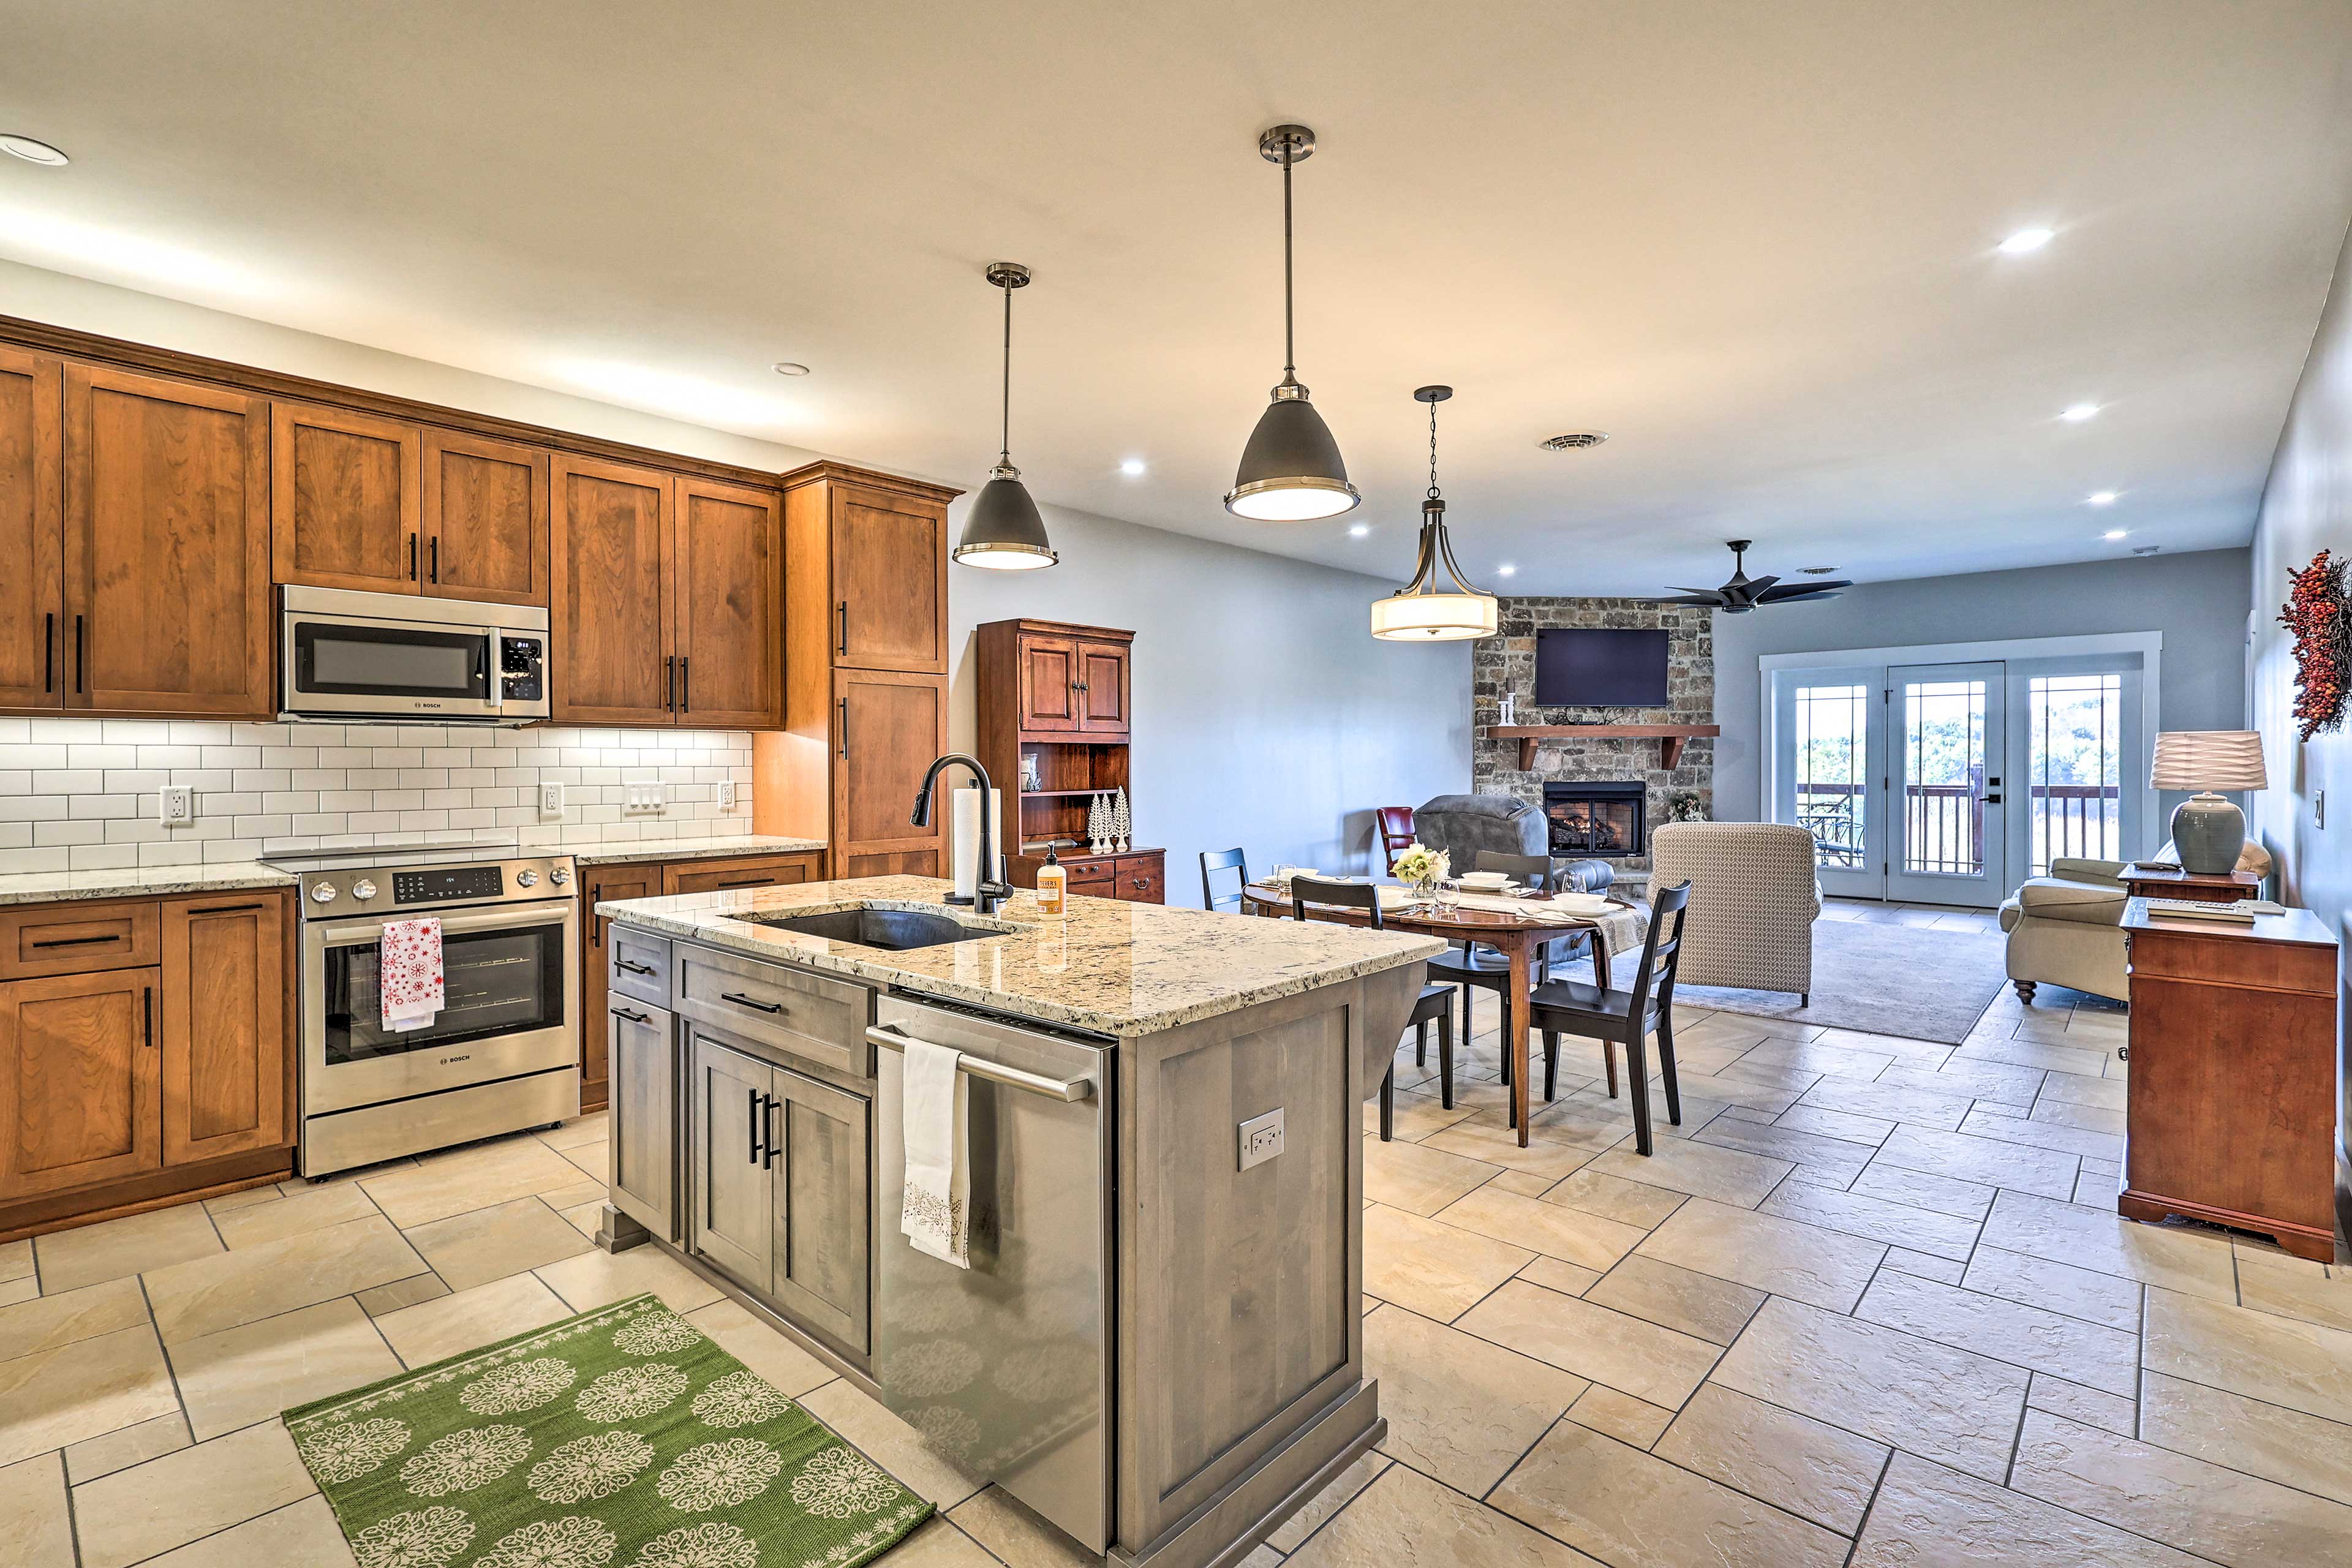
[527, 878]
[322, 893]
[364, 889]
[560, 876]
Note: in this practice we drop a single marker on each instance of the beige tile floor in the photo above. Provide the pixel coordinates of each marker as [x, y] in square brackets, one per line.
[1870, 1304]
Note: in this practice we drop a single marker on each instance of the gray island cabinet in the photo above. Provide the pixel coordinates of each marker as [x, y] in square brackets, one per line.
[1158, 1345]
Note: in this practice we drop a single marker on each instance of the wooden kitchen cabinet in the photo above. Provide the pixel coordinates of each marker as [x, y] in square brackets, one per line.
[730, 1192]
[167, 605]
[346, 499]
[80, 1081]
[1049, 685]
[1102, 681]
[730, 604]
[224, 1029]
[889, 579]
[31, 488]
[888, 727]
[643, 1134]
[746, 872]
[604, 884]
[486, 506]
[610, 604]
[819, 1138]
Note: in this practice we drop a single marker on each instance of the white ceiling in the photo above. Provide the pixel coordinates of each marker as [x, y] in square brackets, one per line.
[1755, 243]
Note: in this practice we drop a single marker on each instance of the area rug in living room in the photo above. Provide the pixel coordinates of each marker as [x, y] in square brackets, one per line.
[618, 1438]
[1915, 980]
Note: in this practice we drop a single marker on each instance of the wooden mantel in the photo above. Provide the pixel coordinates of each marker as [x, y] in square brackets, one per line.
[1670, 737]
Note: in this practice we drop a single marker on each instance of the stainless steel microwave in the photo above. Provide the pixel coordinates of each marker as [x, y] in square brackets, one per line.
[380, 657]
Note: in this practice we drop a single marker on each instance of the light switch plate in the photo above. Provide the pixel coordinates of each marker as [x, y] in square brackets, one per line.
[551, 800]
[1261, 1138]
[175, 805]
[645, 794]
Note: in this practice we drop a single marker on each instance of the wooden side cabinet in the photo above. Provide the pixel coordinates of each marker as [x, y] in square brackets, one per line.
[2230, 1117]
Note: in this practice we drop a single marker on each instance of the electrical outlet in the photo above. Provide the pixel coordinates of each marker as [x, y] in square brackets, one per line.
[551, 800]
[726, 795]
[645, 794]
[175, 805]
[1261, 1138]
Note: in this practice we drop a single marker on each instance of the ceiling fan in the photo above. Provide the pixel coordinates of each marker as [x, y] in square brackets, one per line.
[1744, 593]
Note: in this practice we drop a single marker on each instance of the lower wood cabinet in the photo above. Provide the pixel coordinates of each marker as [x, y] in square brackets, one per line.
[161, 1067]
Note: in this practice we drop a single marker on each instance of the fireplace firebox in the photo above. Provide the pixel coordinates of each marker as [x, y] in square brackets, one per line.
[1597, 818]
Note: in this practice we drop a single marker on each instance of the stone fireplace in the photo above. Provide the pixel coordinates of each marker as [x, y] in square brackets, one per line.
[1595, 819]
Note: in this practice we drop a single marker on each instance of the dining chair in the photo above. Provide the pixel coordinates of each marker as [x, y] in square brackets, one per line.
[1485, 969]
[1222, 861]
[1570, 1008]
[1434, 1006]
[1396, 832]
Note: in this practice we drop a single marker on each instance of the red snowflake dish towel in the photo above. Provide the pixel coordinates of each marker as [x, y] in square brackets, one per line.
[410, 973]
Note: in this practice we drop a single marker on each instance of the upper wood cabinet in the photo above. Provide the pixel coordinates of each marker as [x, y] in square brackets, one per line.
[166, 547]
[610, 609]
[484, 519]
[887, 727]
[32, 589]
[728, 581]
[1049, 684]
[667, 603]
[889, 580]
[1102, 687]
[345, 499]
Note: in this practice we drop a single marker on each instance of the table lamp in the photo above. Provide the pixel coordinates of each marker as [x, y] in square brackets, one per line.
[2208, 832]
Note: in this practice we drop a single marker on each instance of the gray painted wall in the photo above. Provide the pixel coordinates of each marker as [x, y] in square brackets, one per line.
[1266, 715]
[2198, 601]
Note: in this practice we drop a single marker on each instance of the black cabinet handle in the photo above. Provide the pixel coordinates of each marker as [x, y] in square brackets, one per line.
[78, 647]
[226, 908]
[78, 940]
[147, 1014]
[412, 558]
[743, 1001]
[685, 684]
[844, 705]
[841, 620]
[595, 926]
[624, 965]
[436, 568]
[49, 651]
[757, 1122]
[669, 683]
[760, 881]
[767, 1125]
[632, 1017]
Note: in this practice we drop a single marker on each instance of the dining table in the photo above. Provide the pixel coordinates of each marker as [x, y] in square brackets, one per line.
[1516, 927]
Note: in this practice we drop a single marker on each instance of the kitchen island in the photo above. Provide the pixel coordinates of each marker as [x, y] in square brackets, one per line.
[1158, 1345]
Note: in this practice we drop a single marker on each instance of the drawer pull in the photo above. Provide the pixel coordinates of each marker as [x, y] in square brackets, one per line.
[632, 1017]
[760, 881]
[625, 967]
[226, 908]
[78, 940]
[743, 1001]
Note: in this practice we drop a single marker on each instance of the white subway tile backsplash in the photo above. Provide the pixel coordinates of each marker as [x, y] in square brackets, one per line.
[80, 794]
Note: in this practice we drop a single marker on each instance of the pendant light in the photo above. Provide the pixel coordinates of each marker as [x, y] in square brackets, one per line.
[1421, 611]
[1004, 531]
[1291, 471]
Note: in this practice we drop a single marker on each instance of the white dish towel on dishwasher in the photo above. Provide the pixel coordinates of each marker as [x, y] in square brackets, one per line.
[936, 1213]
[408, 974]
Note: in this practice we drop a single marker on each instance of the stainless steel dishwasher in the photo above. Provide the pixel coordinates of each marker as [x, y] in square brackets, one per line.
[1005, 1366]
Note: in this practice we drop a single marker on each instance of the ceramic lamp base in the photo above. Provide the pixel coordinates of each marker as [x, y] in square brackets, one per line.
[2207, 833]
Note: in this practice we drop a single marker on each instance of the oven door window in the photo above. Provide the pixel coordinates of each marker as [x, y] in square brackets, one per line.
[390, 662]
[505, 981]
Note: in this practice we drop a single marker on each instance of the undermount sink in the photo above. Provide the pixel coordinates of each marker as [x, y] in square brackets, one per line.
[894, 931]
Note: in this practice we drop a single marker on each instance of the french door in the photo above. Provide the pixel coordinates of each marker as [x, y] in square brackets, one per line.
[1949, 783]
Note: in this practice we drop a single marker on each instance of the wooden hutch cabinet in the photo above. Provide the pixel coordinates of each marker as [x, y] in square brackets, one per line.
[1057, 696]
[866, 656]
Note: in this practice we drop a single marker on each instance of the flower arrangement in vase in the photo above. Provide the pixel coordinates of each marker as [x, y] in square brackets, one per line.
[1420, 868]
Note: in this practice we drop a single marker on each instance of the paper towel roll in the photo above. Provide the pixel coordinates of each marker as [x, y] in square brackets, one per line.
[967, 838]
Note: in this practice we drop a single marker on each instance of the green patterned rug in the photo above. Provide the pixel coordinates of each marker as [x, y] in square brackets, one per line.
[620, 1438]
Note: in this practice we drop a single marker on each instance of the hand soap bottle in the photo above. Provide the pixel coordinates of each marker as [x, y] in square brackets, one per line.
[1052, 885]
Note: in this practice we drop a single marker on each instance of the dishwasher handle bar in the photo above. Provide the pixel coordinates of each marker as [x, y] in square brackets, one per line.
[995, 1072]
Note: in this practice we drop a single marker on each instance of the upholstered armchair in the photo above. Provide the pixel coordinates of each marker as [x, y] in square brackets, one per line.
[1754, 899]
[2066, 928]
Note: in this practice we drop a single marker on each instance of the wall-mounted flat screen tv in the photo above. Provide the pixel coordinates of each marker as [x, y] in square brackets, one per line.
[1581, 669]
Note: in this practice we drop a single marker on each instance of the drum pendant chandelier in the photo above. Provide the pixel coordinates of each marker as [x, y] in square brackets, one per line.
[1003, 530]
[1291, 471]
[1423, 610]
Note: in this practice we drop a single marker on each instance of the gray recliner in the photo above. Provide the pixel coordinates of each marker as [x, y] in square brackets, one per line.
[1463, 825]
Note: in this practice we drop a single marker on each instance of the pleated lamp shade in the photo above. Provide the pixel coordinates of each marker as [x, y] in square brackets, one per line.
[2209, 760]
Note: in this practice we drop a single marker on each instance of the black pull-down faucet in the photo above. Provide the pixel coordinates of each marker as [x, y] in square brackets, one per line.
[987, 892]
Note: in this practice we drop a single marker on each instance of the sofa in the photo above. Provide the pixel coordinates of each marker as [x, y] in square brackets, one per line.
[1755, 895]
[2066, 928]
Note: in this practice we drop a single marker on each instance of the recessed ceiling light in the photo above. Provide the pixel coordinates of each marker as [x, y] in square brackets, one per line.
[1507, 569]
[2075, 413]
[1357, 530]
[2027, 240]
[1131, 468]
[2116, 534]
[34, 152]
[789, 367]
[2100, 498]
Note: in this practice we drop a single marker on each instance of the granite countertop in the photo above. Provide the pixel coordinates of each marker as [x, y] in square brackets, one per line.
[1112, 967]
[138, 882]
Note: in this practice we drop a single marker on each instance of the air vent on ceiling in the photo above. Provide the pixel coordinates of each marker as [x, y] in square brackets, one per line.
[1574, 441]
[1819, 570]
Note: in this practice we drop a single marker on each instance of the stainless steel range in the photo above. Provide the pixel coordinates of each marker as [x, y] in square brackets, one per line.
[504, 1051]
